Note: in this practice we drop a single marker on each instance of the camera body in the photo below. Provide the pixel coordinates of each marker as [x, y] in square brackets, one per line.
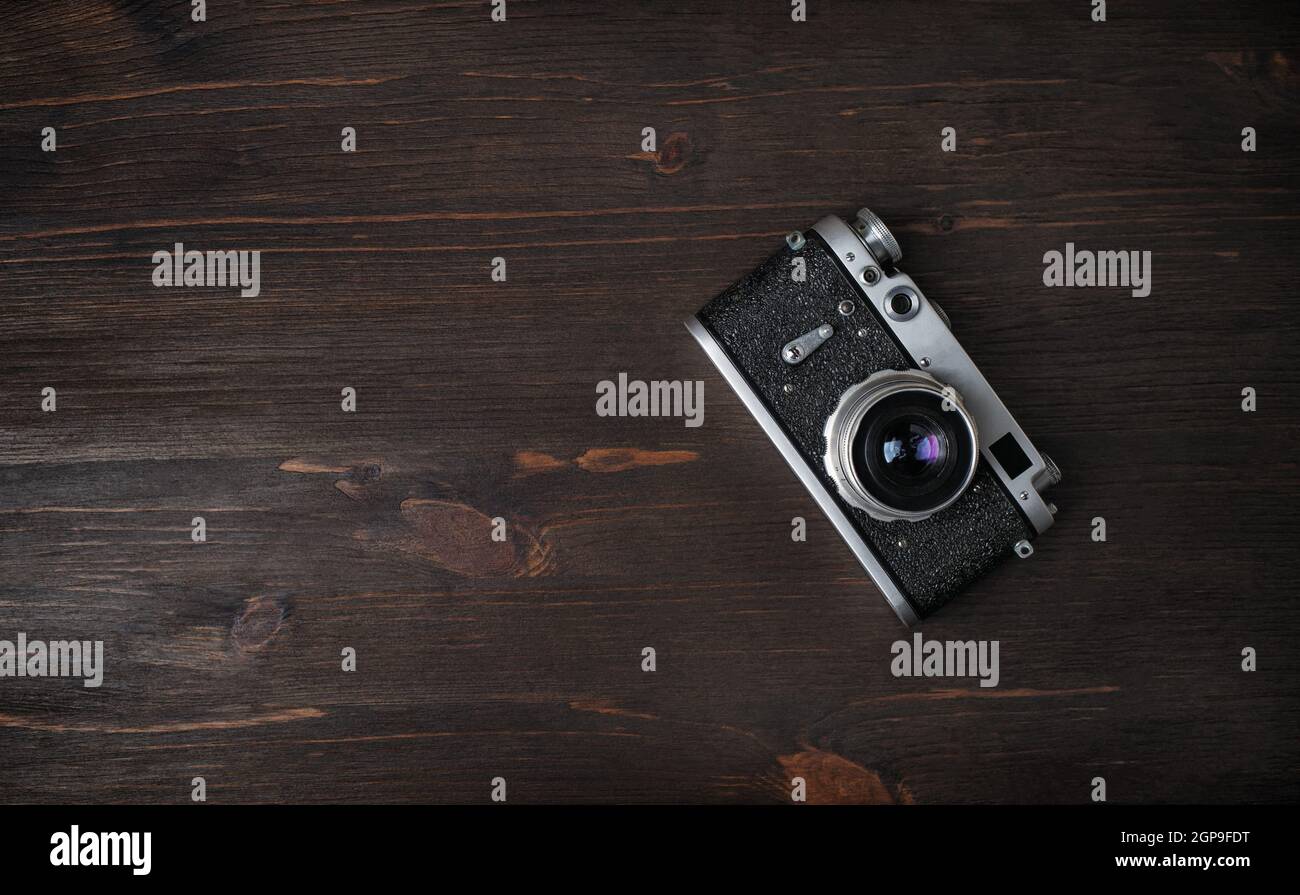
[860, 383]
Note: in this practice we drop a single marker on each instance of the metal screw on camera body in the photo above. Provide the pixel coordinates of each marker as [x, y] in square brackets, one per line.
[788, 389]
[846, 307]
[795, 240]
[870, 275]
[1024, 549]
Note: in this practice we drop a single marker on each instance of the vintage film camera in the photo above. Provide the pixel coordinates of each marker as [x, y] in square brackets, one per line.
[857, 378]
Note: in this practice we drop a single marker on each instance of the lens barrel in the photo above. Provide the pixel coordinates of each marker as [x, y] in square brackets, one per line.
[901, 446]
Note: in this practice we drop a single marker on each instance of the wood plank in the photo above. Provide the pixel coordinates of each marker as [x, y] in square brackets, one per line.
[476, 400]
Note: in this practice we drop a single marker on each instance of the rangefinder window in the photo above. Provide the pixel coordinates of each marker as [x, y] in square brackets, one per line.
[1007, 451]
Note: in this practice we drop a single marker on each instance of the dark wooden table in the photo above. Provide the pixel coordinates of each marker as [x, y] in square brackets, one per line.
[476, 399]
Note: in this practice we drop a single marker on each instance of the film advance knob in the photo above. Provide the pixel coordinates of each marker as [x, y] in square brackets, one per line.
[877, 238]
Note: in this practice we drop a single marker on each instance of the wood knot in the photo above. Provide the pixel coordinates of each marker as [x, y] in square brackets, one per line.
[356, 476]
[366, 472]
[835, 780]
[674, 153]
[462, 539]
[258, 623]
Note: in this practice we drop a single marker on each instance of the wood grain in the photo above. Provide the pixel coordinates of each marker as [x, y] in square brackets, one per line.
[521, 659]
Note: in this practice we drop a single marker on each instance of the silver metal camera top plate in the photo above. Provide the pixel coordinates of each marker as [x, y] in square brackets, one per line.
[925, 335]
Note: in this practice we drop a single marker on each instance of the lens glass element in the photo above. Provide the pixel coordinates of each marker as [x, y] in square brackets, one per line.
[910, 447]
[911, 454]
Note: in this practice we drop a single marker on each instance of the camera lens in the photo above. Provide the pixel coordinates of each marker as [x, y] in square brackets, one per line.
[900, 446]
[910, 453]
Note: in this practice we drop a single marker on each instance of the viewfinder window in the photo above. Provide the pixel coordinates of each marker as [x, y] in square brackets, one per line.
[1010, 456]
